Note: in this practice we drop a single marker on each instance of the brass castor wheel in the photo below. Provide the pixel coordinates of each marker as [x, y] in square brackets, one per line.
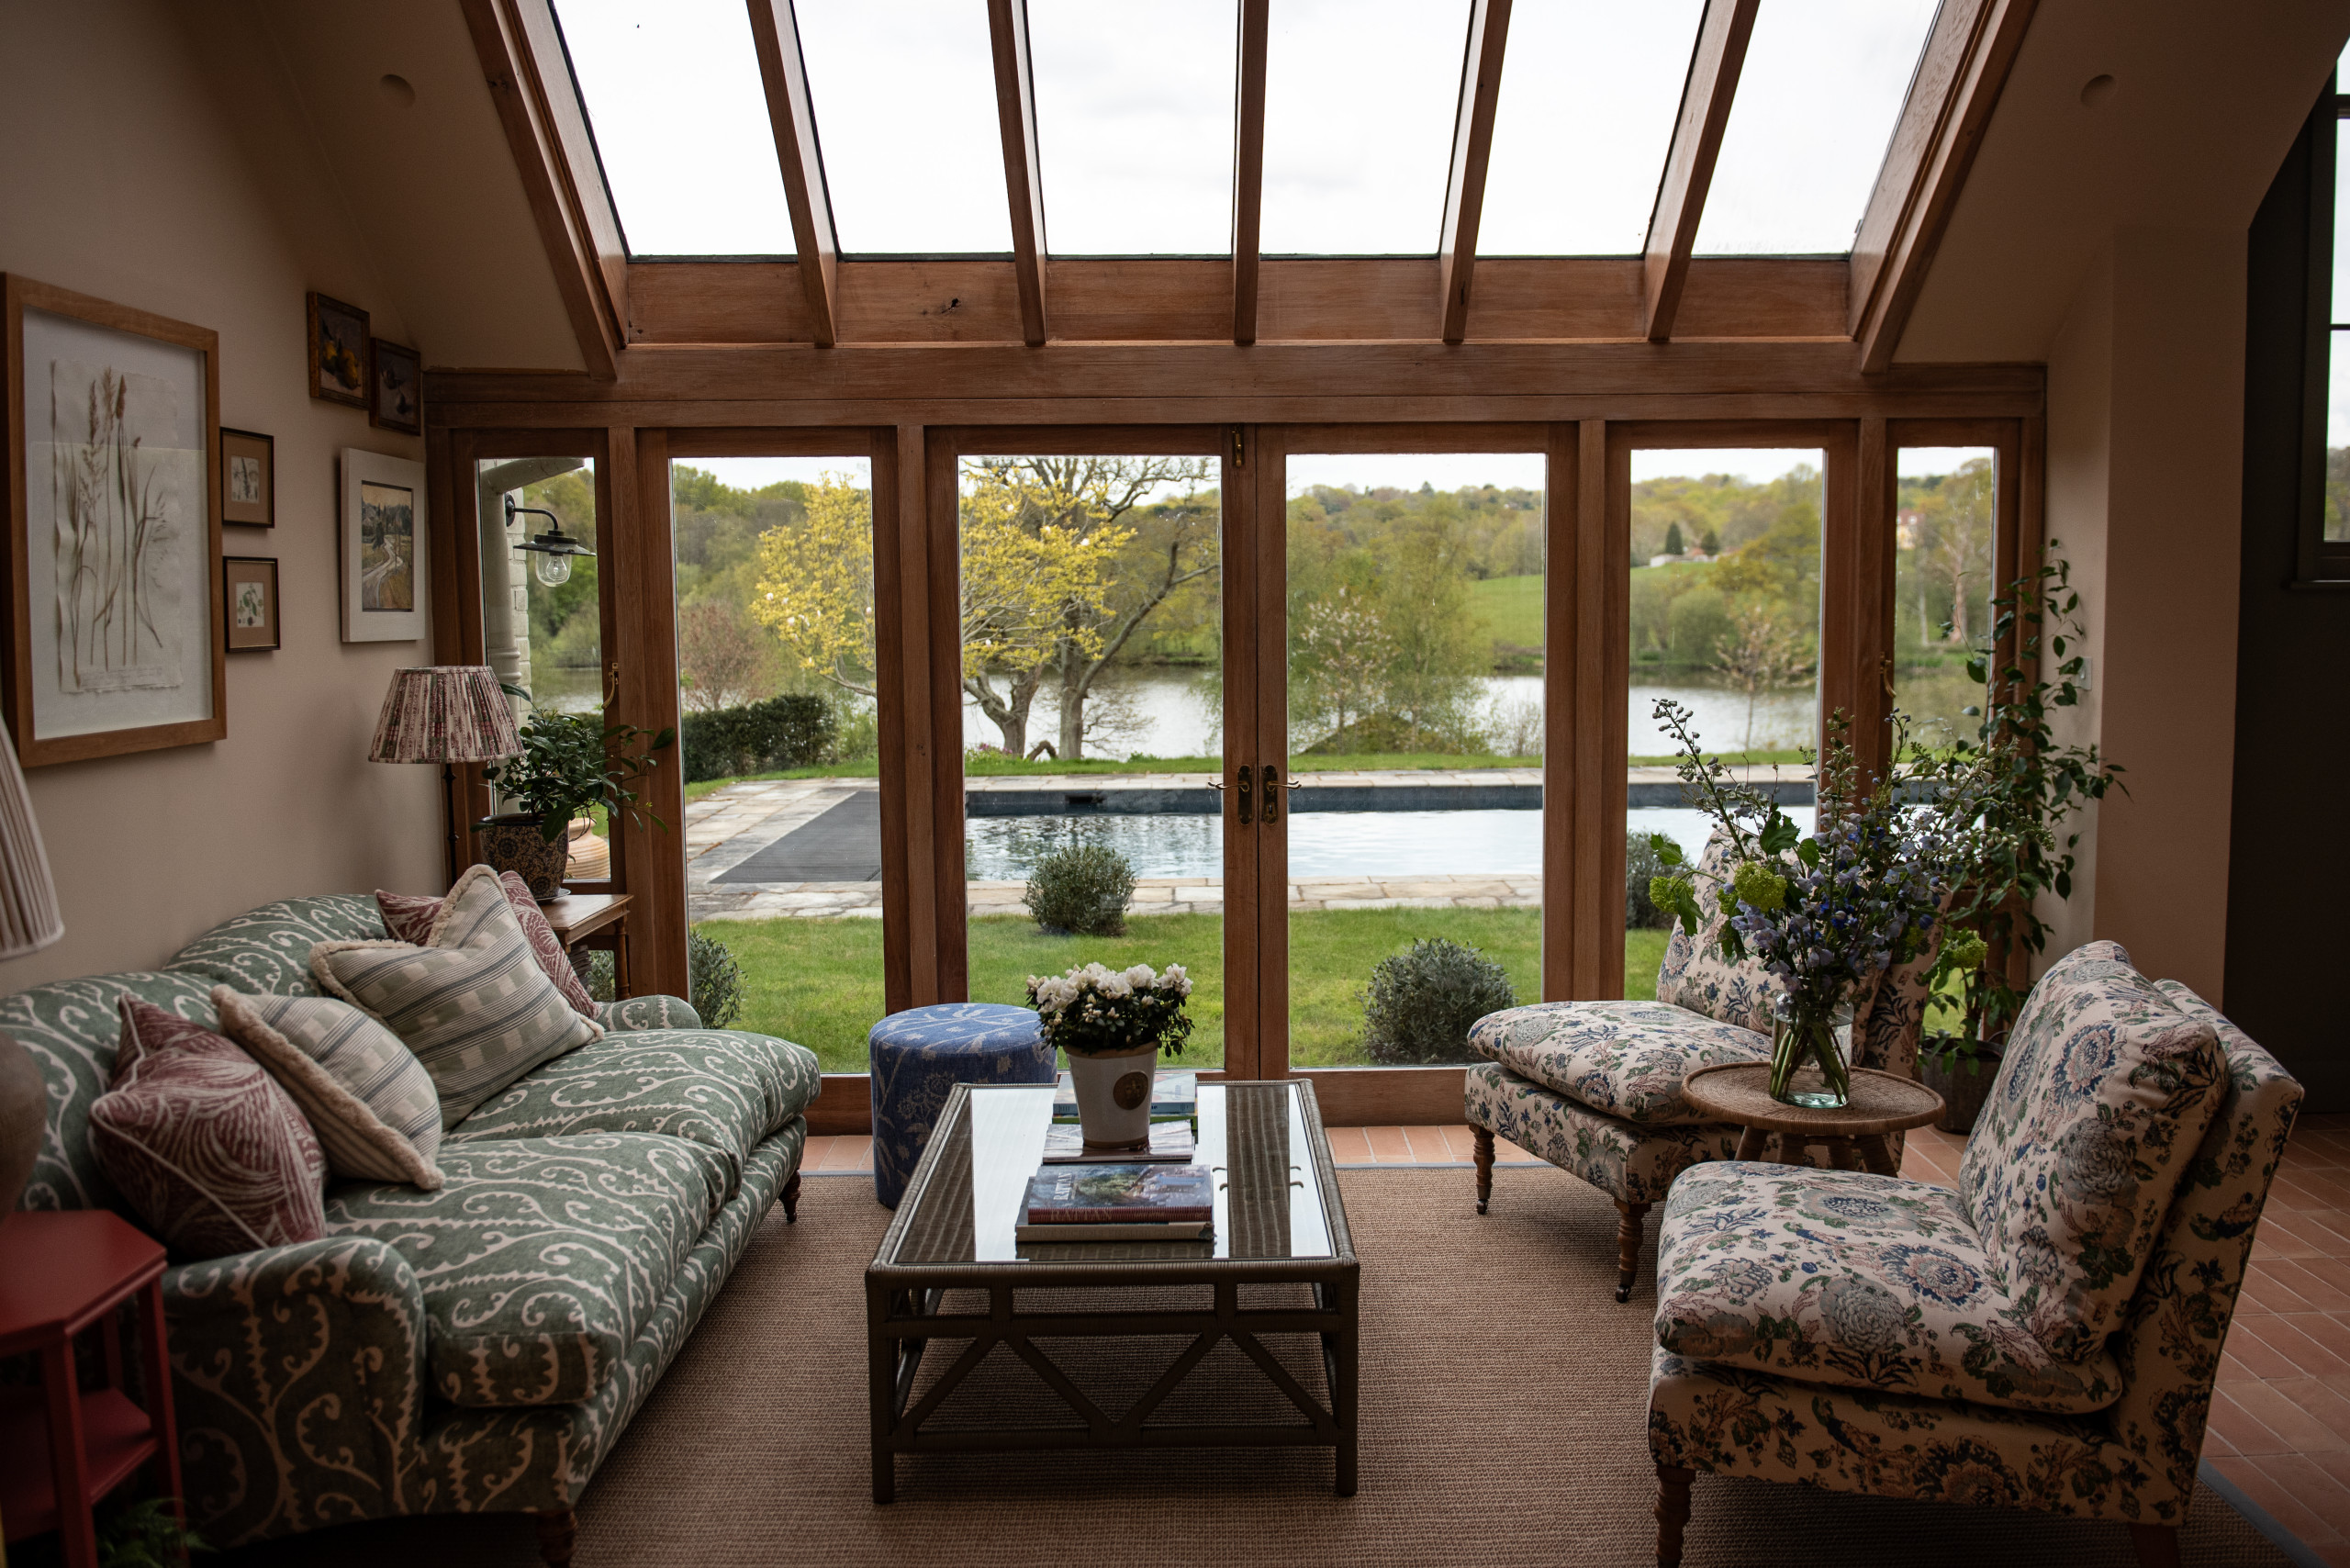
[1480, 1206]
[1623, 1293]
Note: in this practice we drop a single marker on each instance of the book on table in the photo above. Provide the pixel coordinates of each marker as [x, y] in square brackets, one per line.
[1170, 1142]
[1174, 1097]
[1118, 1202]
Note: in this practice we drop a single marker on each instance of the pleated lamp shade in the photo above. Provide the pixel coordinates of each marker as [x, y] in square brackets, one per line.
[29, 918]
[445, 713]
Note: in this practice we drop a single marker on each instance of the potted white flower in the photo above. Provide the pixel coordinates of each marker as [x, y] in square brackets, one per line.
[1114, 1024]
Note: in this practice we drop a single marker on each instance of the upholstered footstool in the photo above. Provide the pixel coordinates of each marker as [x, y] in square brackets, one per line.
[920, 1054]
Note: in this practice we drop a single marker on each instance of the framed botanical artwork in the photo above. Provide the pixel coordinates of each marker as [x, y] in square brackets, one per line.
[248, 479]
[338, 352]
[249, 591]
[113, 528]
[382, 538]
[397, 378]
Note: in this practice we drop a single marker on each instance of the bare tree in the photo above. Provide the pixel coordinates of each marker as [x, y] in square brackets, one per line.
[1760, 655]
[1954, 537]
[723, 660]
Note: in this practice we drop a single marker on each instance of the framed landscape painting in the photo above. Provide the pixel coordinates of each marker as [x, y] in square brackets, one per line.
[338, 352]
[249, 589]
[398, 380]
[248, 479]
[383, 548]
[114, 528]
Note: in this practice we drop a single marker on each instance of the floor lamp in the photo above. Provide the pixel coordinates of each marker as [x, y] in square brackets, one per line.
[448, 714]
[29, 921]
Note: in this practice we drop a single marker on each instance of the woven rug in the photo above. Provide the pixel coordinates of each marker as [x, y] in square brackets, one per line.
[1504, 1397]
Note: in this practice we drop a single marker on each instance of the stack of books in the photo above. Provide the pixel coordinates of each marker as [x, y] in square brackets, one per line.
[1174, 1125]
[1130, 1202]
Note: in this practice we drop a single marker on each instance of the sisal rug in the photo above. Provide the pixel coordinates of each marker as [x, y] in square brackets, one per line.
[1503, 1402]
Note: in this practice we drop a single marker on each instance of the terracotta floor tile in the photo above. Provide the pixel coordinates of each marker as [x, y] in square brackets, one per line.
[2332, 1553]
[2255, 1483]
[2282, 1407]
[2285, 1286]
[2251, 1352]
[2244, 1431]
[2328, 1229]
[811, 1155]
[1389, 1146]
[2334, 1464]
[2335, 1273]
[2285, 1336]
[1348, 1145]
[2315, 1490]
[2217, 1446]
[1504, 1149]
[1461, 1140]
[850, 1152]
[2323, 1399]
[2285, 1234]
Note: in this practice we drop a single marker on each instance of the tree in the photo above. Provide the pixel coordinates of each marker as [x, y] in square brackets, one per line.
[815, 586]
[1955, 539]
[1760, 654]
[1712, 544]
[1672, 538]
[1339, 653]
[723, 659]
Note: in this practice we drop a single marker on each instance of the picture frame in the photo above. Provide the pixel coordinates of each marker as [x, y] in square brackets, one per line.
[339, 338]
[113, 500]
[248, 479]
[384, 535]
[249, 592]
[395, 388]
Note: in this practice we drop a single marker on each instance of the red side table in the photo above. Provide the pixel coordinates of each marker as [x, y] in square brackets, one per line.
[60, 1273]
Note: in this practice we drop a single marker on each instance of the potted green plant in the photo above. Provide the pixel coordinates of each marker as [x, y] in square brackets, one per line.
[570, 763]
[1114, 1024]
[1962, 1067]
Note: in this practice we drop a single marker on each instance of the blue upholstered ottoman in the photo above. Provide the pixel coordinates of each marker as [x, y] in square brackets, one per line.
[920, 1055]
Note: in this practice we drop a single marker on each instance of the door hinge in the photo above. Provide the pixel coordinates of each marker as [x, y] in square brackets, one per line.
[1239, 448]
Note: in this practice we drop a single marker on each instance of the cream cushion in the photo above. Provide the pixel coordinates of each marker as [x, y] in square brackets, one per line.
[370, 1100]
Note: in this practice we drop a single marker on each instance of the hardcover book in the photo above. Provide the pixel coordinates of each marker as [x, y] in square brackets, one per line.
[1182, 1231]
[1170, 1142]
[1119, 1194]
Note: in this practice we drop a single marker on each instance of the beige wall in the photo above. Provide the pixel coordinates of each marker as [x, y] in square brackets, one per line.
[149, 161]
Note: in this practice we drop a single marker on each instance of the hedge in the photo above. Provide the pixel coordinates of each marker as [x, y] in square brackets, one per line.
[792, 731]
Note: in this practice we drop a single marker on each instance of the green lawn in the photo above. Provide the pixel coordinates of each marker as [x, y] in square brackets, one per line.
[819, 982]
[1512, 608]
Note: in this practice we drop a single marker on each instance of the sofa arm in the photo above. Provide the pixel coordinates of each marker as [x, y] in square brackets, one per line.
[298, 1385]
[647, 1012]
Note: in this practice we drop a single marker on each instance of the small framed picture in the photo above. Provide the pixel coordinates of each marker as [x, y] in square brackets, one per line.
[248, 479]
[383, 548]
[338, 352]
[399, 380]
[249, 589]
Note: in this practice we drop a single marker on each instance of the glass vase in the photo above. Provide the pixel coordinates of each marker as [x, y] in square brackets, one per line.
[1807, 1065]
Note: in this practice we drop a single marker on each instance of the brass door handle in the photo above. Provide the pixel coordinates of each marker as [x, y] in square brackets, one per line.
[1273, 793]
[1244, 817]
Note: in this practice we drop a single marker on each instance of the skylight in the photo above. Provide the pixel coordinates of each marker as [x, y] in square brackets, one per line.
[680, 120]
[1361, 97]
[1822, 87]
[1133, 124]
[1590, 90]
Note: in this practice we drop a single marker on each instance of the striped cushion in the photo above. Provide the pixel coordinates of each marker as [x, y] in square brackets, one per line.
[369, 1099]
[472, 1003]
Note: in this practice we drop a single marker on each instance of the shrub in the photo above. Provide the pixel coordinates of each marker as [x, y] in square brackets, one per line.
[792, 731]
[1640, 863]
[597, 969]
[1082, 890]
[714, 980]
[1422, 1002]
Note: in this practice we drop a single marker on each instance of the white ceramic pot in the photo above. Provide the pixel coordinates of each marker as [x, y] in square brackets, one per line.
[1113, 1097]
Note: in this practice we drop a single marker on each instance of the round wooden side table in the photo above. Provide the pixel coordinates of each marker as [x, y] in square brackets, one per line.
[1855, 1136]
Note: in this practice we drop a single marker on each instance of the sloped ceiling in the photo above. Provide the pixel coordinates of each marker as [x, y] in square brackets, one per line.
[2206, 98]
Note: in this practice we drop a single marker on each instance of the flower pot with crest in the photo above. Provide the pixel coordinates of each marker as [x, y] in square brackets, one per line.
[1114, 1024]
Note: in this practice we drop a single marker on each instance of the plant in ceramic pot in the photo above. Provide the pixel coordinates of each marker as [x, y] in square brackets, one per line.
[1114, 1024]
[569, 764]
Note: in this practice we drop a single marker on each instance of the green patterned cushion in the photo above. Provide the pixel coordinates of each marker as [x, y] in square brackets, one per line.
[540, 1259]
[472, 1003]
[267, 950]
[369, 1099]
[655, 1012]
[724, 1089]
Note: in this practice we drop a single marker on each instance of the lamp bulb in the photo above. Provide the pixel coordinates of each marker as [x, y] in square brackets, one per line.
[552, 569]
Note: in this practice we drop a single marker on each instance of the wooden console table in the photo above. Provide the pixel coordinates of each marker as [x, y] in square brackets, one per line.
[594, 921]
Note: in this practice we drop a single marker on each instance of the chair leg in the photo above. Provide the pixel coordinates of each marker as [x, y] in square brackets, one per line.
[791, 1200]
[557, 1530]
[1629, 1231]
[1484, 1140]
[2157, 1545]
[1671, 1512]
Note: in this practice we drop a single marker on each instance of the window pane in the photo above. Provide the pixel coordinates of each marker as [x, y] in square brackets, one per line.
[1725, 620]
[1590, 90]
[1359, 101]
[904, 94]
[1415, 643]
[2337, 440]
[680, 117]
[1944, 522]
[1133, 124]
[1823, 84]
[783, 845]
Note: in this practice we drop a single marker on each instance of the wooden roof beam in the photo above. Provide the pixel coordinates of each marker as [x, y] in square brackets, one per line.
[1706, 98]
[1472, 146]
[1960, 75]
[1023, 185]
[1248, 170]
[775, 33]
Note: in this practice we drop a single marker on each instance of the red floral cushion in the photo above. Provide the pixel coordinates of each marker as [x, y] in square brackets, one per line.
[201, 1143]
[409, 917]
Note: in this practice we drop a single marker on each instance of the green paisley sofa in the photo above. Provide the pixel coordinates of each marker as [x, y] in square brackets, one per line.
[475, 1349]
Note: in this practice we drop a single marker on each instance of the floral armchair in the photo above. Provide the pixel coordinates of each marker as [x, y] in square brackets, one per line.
[2045, 1338]
[1595, 1087]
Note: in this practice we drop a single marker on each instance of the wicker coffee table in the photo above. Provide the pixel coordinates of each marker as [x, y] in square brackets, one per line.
[949, 1269]
[1856, 1136]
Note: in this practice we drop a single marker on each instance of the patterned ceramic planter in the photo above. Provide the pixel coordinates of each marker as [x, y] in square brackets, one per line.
[1113, 1097]
[510, 842]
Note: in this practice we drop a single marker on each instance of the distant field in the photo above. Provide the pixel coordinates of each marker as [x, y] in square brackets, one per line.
[1512, 608]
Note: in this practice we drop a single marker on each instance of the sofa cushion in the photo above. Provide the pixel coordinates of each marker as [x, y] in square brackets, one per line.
[472, 1003]
[267, 950]
[1633, 1165]
[1627, 1059]
[541, 1259]
[1862, 1282]
[724, 1089]
[2104, 1094]
[410, 917]
[367, 1097]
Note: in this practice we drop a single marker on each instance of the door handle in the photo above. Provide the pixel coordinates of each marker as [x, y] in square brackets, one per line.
[1244, 817]
[1273, 793]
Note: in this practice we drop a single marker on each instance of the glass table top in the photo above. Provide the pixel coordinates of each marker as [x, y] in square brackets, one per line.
[1256, 1139]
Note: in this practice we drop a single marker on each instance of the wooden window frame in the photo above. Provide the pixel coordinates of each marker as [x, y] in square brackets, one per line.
[2317, 564]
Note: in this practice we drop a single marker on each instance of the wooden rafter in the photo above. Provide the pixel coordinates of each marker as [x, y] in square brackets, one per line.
[1248, 170]
[775, 32]
[547, 131]
[1015, 110]
[1959, 79]
[1706, 99]
[1472, 146]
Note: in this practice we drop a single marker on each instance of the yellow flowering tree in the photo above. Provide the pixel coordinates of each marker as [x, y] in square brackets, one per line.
[815, 586]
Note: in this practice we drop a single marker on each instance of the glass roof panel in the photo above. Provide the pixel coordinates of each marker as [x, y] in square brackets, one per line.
[1590, 90]
[904, 94]
[680, 118]
[1133, 124]
[1823, 84]
[1359, 101]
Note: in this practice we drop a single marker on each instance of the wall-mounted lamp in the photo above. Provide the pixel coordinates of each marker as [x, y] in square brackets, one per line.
[553, 548]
